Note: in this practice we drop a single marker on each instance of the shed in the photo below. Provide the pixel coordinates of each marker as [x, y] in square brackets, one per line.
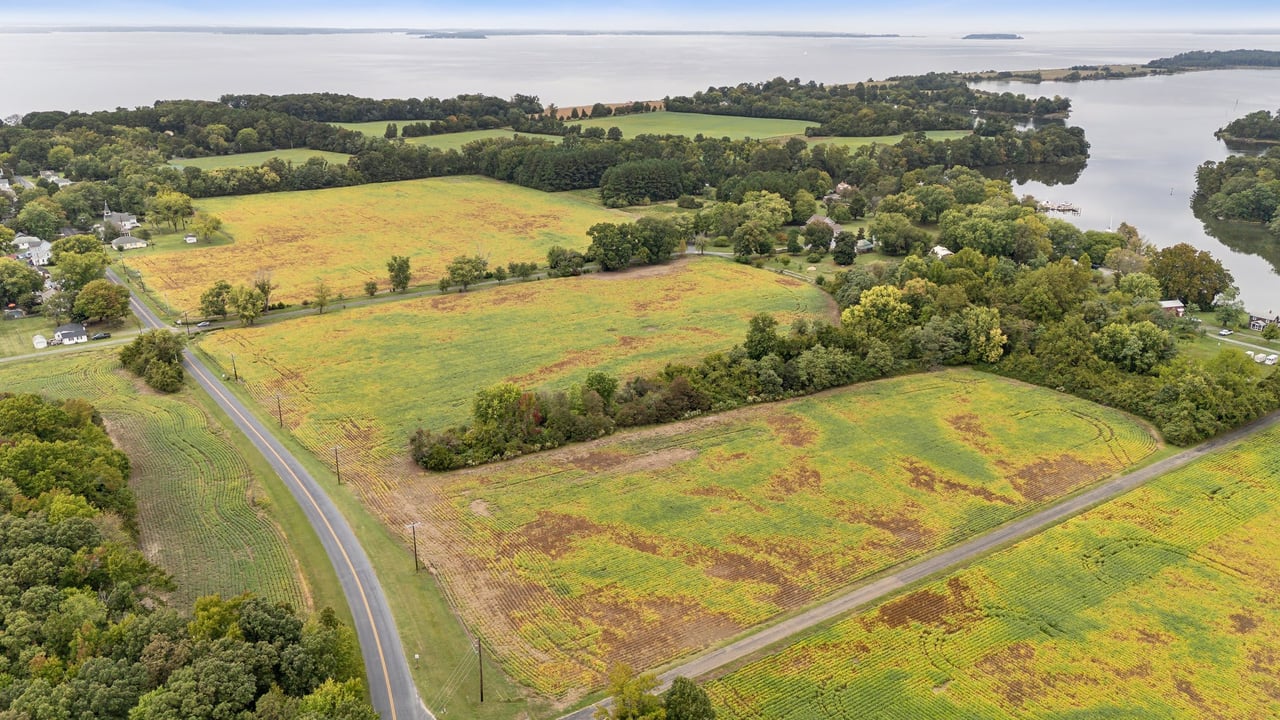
[864, 246]
[1173, 307]
[70, 334]
[14, 313]
[823, 219]
[190, 239]
[940, 252]
[40, 341]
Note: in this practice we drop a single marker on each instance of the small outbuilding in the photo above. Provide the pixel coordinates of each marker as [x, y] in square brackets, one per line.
[14, 313]
[128, 242]
[1173, 307]
[190, 239]
[70, 334]
[940, 252]
[41, 342]
[864, 246]
[824, 220]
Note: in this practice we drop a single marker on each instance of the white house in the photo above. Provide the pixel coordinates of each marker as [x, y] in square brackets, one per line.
[124, 221]
[128, 242]
[190, 239]
[940, 252]
[70, 334]
[40, 341]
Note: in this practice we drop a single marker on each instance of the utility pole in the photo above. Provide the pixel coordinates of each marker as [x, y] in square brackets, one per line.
[337, 469]
[416, 565]
[480, 652]
[279, 412]
[234, 373]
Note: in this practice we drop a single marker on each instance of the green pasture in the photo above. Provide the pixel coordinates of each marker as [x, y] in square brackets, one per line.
[206, 515]
[296, 156]
[855, 142]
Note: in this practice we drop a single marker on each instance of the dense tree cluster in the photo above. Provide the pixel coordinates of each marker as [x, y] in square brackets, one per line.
[333, 107]
[156, 357]
[649, 241]
[1242, 188]
[1218, 59]
[1019, 296]
[86, 633]
[907, 104]
[1260, 125]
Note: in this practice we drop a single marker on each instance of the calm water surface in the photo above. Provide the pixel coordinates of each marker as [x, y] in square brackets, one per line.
[1148, 134]
[1147, 137]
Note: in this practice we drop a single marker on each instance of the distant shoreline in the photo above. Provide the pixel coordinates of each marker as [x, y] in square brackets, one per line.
[428, 33]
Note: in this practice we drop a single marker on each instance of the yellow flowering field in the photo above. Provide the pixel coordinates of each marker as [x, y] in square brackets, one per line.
[1159, 604]
[346, 235]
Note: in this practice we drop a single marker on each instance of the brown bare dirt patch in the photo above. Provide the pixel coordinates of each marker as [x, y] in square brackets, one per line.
[790, 429]
[623, 463]
[968, 424]
[924, 477]
[727, 493]
[1053, 477]
[481, 508]
[1243, 623]
[1008, 667]
[552, 534]
[798, 477]
[901, 524]
[638, 273]
[950, 611]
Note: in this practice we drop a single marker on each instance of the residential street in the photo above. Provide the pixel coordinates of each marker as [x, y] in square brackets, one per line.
[391, 686]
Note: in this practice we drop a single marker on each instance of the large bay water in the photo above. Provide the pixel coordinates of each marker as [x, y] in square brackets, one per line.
[1147, 137]
[1148, 134]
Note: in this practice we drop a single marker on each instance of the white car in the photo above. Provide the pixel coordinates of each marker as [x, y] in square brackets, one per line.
[1271, 359]
[203, 323]
[1224, 332]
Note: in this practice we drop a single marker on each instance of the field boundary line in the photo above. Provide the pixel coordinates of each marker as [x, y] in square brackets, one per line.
[958, 555]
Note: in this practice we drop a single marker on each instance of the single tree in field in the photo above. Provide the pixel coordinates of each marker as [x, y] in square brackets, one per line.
[205, 225]
[398, 269]
[214, 300]
[263, 284]
[170, 207]
[322, 296]
[1270, 332]
[633, 697]
[499, 274]
[686, 701]
[371, 287]
[102, 299]
[464, 271]
[247, 303]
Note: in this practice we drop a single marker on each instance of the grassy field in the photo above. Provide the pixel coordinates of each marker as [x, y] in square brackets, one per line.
[654, 123]
[651, 545]
[1160, 604]
[853, 142]
[15, 335]
[206, 516]
[346, 235]
[254, 159]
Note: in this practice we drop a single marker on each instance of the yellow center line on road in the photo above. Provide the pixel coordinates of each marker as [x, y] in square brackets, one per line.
[351, 566]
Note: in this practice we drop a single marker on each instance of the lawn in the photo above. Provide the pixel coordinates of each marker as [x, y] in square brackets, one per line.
[205, 514]
[1159, 604]
[15, 335]
[445, 141]
[651, 545]
[346, 235]
[690, 124]
[254, 159]
[854, 142]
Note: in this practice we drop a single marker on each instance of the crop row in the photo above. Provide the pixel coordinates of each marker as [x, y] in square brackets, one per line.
[1158, 602]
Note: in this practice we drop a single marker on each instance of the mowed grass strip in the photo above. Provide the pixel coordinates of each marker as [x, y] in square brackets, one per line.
[296, 156]
[203, 514]
[346, 235]
[1159, 604]
[652, 123]
[652, 545]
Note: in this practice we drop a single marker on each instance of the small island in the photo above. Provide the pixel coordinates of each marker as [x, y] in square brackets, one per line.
[991, 36]
[461, 35]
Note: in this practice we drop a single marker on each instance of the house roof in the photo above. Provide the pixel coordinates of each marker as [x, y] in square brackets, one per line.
[1171, 304]
[824, 220]
[124, 240]
[941, 252]
[71, 329]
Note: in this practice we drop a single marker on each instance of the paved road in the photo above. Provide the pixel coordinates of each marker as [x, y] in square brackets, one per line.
[958, 555]
[391, 686]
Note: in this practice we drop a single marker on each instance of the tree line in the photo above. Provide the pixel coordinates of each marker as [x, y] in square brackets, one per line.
[1018, 297]
[1218, 59]
[1242, 187]
[87, 631]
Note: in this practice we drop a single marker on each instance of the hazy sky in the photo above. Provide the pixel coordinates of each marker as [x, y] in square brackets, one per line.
[906, 17]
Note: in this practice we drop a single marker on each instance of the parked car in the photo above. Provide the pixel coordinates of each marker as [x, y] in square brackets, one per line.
[203, 323]
[1271, 359]
[1224, 332]
[100, 336]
